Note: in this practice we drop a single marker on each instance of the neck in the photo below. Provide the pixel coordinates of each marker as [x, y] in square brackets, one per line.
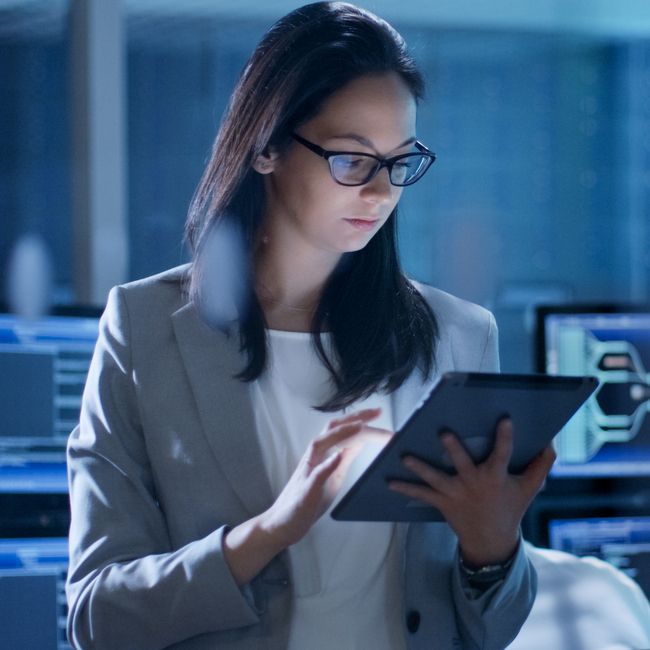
[289, 283]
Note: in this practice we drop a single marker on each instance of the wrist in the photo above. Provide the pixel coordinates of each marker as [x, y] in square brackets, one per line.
[248, 548]
[476, 559]
[488, 572]
[274, 536]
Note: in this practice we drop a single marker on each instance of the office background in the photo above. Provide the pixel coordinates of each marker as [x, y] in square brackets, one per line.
[539, 113]
[540, 119]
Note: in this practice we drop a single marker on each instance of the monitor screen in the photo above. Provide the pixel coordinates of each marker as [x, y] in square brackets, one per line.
[32, 593]
[43, 368]
[610, 435]
[20, 476]
[622, 541]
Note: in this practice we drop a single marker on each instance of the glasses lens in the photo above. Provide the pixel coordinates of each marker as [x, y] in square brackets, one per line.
[409, 169]
[352, 169]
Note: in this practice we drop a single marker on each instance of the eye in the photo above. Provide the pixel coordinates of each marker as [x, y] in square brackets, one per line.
[350, 162]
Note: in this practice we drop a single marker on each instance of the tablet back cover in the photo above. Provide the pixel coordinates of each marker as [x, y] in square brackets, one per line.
[469, 404]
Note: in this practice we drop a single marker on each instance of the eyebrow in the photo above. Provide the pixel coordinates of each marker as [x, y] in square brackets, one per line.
[365, 142]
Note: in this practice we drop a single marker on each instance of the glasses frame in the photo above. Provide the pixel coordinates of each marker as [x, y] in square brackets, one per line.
[381, 162]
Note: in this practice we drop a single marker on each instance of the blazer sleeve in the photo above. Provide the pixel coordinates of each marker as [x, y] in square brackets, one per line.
[490, 619]
[127, 587]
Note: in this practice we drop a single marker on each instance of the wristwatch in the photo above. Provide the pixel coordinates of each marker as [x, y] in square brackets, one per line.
[486, 573]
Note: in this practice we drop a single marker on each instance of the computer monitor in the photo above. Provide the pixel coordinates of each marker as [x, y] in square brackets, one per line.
[43, 369]
[32, 593]
[610, 435]
[621, 541]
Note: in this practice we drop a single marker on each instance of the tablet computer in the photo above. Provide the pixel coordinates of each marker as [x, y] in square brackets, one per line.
[470, 405]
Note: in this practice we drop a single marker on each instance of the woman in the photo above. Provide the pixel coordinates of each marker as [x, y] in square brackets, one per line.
[206, 456]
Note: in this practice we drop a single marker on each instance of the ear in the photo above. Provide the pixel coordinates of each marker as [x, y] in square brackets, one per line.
[265, 162]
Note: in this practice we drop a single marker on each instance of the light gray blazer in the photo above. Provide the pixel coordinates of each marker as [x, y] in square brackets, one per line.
[165, 458]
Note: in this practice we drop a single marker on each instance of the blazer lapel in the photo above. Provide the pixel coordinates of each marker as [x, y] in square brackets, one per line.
[408, 396]
[211, 359]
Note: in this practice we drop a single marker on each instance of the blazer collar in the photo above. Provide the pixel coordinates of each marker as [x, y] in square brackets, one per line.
[212, 359]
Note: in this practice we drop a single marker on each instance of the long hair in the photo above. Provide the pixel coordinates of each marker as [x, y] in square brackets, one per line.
[381, 327]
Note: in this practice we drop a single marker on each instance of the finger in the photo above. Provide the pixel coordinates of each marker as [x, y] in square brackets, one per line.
[535, 474]
[502, 452]
[460, 458]
[364, 415]
[354, 431]
[434, 478]
[419, 492]
[324, 470]
[319, 447]
[375, 434]
[357, 432]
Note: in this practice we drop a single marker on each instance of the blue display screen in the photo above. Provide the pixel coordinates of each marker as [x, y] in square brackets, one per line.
[33, 478]
[610, 435]
[32, 593]
[34, 553]
[622, 541]
[43, 369]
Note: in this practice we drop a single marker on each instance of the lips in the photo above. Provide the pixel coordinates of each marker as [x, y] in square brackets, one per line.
[362, 224]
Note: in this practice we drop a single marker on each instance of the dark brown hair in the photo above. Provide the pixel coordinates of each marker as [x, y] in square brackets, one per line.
[381, 327]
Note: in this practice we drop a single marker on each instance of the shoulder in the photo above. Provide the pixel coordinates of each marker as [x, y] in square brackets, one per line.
[556, 565]
[154, 295]
[551, 560]
[467, 333]
[454, 312]
[141, 310]
[169, 282]
[605, 606]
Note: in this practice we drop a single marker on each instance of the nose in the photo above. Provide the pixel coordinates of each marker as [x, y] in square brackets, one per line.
[379, 189]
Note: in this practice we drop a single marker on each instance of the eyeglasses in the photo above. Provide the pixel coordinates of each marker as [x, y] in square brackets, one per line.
[353, 168]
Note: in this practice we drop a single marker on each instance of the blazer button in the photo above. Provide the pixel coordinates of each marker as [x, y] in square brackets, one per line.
[413, 621]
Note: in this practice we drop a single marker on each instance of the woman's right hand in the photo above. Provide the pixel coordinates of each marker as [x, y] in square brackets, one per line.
[249, 547]
[319, 475]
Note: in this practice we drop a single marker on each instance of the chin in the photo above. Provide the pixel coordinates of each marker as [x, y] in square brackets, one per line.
[359, 247]
[355, 245]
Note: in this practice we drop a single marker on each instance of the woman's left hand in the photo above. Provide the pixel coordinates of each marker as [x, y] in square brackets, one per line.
[483, 503]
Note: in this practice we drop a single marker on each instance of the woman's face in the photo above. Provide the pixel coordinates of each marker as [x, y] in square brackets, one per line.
[305, 206]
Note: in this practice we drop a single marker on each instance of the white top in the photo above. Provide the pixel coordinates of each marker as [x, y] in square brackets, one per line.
[347, 591]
